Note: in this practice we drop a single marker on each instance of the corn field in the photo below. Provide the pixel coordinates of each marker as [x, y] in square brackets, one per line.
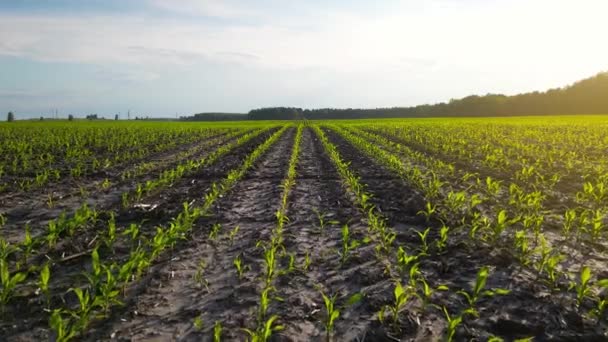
[367, 230]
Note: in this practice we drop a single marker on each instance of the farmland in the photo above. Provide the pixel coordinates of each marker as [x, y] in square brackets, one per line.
[409, 229]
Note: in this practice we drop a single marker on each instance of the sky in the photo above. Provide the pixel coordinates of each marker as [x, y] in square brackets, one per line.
[162, 58]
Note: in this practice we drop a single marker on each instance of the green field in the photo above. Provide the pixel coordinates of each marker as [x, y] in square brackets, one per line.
[484, 229]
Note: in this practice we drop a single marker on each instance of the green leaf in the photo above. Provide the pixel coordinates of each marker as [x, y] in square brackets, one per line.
[502, 292]
[525, 339]
[354, 299]
[482, 277]
[398, 291]
[334, 315]
[585, 275]
[602, 283]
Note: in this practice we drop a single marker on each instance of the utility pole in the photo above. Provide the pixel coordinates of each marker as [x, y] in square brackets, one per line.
[129, 114]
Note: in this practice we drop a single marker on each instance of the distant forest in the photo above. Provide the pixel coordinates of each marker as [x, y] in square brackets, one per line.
[589, 96]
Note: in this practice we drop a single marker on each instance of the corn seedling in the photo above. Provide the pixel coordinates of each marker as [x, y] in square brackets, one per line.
[424, 247]
[110, 235]
[478, 290]
[62, 327]
[401, 297]
[332, 314]
[404, 260]
[453, 323]
[425, 292]
[240, 268]
[85, 308]
[43, 283]
[429, 210]
[27, 244]
[442, 242]
[522, 247]
[602, 300]
[217, 331]
[270, 264]
[307, 262]
[50, 203]
[199, 275]
[198, 323]
[348, 245]
[233, 234]
[582, 287]
[132, 231]
[215, 231]
[265, 331]
[9, 283]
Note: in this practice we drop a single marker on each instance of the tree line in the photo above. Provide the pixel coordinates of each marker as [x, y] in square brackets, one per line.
[589, 96]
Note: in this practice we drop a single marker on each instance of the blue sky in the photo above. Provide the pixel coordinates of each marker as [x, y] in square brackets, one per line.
[162, 57]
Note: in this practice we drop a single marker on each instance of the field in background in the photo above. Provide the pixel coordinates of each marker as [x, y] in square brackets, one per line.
[409, 229]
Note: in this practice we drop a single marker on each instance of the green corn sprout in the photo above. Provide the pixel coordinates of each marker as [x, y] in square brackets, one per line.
[199, 275]
[108, 292]
[429, 210]
[307, 261]
[401, 297]
[404, 260]
[264, 333]
[597, 224]
[292, 260]
[442, 242]
[240, 268]
[321, 219]
[569, 221]
[348, 245]
[602, 301]
[332, 314]
[132, 231]
[84, 312]
[270, 264]
[27, 244]
[217, 331]
[124, 199]
[215, 230]
[50, 201]
[62, 327]
[8, 283]
[43, 283]
[106, 184]
[233, 234]
[424, 248]
[53, 233]
[478, 290]
[111, 232]
[198, 323]
[582, 288]
[453, 323]
[522, 247]
[500, 225]
[425, 292]
[94, 277]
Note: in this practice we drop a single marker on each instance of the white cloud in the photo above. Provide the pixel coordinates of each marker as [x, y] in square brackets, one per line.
[411, 53]
[212, 8]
